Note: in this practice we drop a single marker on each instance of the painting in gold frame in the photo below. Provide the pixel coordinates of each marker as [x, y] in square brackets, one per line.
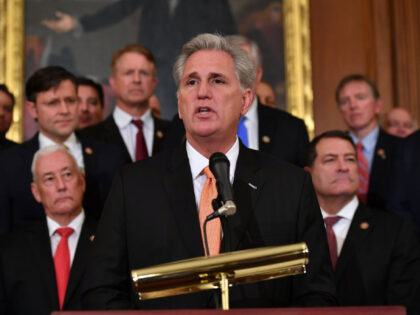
[297, 60]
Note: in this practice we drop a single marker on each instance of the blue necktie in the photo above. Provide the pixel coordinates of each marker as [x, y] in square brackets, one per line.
[242, 132]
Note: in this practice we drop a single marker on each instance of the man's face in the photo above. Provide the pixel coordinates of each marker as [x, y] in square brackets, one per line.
[334, 171]
[399, 123]
[56, 111]
[6, 112]
[134, 81]
[358, 107]
[59, 185]
[90, 107]
[210, 100]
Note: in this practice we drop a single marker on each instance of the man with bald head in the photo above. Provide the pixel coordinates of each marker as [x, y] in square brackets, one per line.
[42, 265]
[399, 122]
[156, 209]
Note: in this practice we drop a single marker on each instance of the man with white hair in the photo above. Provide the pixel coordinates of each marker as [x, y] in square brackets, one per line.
[156, 209]
[42, 265]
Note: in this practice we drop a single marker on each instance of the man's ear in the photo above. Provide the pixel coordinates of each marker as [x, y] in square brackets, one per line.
[308, 169]
[247, 97]
[31, 107]
[35, 192]
[112, 82]
[378, 106]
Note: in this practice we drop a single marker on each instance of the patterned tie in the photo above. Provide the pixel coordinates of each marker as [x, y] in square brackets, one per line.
[214, 229]
[363, 174]
[242, 132]
[141, 149]
[332, 241]
[62, 263]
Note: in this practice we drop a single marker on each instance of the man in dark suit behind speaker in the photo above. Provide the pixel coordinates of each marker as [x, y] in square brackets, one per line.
[152, 213]
[42, 265]
[375, 254]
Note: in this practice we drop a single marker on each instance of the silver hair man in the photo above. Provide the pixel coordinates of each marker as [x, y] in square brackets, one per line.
[46, 151]
[244, 68]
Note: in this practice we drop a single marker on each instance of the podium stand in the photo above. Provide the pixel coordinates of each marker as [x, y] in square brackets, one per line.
[220, 272]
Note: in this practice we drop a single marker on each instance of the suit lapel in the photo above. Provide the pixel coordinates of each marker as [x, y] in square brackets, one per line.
[80, 259]
[240, 229]
[359, 230]
[158, 136]
[39, 242]
[179, 188]
[114, 135]
[265, 130]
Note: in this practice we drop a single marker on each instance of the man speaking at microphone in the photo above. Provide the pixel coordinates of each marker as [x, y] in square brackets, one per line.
[156, 208]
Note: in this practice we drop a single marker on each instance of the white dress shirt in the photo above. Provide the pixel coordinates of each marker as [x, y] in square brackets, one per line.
[129, 131]
[198, 162]
[73, 239]
[342, 226]
[72, 143]
[251, 124]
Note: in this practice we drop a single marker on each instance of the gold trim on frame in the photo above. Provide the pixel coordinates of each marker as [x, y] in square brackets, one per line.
[298, 61]
[11, 59]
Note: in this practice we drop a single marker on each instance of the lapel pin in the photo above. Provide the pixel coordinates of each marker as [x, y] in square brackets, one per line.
[266, 139]
[159, 134]
[381, 153]
[364, 225]
[92, 238]
[252, 186]
[88, 151]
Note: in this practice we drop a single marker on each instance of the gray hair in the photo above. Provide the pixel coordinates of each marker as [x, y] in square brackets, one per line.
[239, 40]
[47, 151]
[244, 68]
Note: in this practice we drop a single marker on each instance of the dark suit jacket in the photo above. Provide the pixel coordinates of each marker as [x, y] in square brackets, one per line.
[5, 143]
[280, 134]
[108, 132]
[405, 194]
[17, 204]
[27, 277]
[380, 261]
[155, 221]
[381, 173]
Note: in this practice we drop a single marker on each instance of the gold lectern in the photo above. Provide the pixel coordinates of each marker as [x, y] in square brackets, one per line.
[220, 272]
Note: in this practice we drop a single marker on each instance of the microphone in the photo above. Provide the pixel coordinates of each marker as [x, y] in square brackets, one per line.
[224, 204]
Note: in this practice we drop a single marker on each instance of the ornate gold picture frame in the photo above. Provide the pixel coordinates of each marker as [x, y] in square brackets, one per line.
[297, 59]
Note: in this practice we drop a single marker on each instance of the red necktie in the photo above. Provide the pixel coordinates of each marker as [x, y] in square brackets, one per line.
[363, 174]
[62, 263]
[141, 149]
[213, 227]
[332, 241]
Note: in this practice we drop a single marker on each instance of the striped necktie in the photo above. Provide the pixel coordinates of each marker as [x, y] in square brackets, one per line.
[363, 174]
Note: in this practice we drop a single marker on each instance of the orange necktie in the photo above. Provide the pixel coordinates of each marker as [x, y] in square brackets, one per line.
[62, 263]
[214, 229]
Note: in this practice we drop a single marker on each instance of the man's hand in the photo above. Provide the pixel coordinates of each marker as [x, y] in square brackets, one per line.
[64, 24]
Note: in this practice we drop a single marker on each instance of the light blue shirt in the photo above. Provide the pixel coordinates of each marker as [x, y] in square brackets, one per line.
[369, 144]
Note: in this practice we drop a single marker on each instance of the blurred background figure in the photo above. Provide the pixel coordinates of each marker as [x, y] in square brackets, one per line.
[154, 105]
[91, 102]
[266, 95]
[399, 122]
[7, 101]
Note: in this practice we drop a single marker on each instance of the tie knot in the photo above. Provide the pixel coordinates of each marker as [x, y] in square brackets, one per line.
[359, 146]
[65, 232]
[207, 172]
[138, 123]
[330, 221]
[243, 118]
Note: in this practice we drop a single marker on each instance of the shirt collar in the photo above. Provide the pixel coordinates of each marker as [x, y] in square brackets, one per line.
[347, 211]
[75, 224]
[252, 111]
[369, 141]
[70, 143]
[123, 119]
[198, 162]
